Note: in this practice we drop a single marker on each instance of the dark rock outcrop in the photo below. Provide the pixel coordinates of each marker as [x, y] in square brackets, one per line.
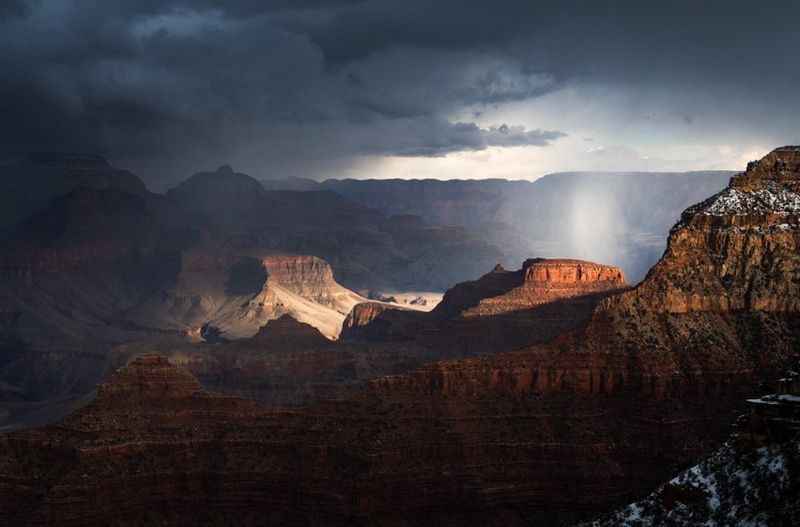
[153, 448]
[373, 321]
[29, 183]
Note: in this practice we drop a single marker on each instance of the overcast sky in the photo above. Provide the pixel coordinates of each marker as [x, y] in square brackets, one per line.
[412, 88]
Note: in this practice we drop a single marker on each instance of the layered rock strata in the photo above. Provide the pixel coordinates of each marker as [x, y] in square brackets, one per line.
[154, 448]
[540, 281]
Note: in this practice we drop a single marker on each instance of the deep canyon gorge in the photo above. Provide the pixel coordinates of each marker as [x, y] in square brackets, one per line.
[245, 384]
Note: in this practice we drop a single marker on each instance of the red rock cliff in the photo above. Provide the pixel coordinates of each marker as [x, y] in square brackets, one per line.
[738, 250]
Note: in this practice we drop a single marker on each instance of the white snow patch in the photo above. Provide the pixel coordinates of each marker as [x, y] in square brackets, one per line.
[734, 489]
[771, 199]
[761, 401]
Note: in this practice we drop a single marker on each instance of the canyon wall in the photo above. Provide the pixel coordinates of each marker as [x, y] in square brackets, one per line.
[549, 431]
[154, 448]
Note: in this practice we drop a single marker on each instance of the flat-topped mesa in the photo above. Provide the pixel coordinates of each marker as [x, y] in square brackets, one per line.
[148, 378]
[298, 272]
[572, 273]
[311, 278]
[540, 281]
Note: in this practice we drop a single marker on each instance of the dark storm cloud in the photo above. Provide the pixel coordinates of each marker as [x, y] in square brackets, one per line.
[429, 137]
[233, 7]
[505, 135]
[275, 83]
[10, 8]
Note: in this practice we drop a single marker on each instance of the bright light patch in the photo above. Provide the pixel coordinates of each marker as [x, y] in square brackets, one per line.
[179, 23]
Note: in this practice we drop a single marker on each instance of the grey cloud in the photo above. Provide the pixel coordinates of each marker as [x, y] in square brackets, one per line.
[173, 82]
[9, 8]
[505, 135]
[283, 84]
[432, 137]
[236, 8]
[406, 82]
[405, 137]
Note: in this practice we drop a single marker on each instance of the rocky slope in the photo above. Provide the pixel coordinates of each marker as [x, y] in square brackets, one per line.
[737, 249]
[754, 479]
[237, 295]
[731, 487]
[154, 448]
[374, 321]
[286, 362]
[108, 262]
[67, 275]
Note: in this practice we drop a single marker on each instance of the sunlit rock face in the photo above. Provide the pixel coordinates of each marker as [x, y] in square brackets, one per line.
[737, 250]
[311, 278]
[239, 293]
[571, 272]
